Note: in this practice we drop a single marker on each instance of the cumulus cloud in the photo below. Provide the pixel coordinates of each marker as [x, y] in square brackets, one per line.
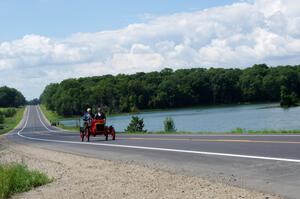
[237, 35]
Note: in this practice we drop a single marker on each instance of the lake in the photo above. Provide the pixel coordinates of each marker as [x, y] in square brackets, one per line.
[214, 118]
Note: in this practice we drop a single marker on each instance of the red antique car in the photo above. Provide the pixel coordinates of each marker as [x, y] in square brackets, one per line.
[97, 127]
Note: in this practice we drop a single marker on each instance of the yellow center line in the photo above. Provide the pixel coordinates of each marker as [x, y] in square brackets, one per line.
[215, 140]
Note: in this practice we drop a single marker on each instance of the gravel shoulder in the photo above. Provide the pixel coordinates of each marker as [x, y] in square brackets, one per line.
[81, 177]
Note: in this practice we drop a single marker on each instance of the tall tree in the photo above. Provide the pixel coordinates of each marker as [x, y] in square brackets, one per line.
[10, 97]
[171, 89]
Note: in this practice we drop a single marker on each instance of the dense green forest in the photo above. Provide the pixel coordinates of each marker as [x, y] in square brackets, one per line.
[10, 97]
[172, 89]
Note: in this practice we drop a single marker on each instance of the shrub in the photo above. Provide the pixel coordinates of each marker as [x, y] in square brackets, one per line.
[169, 125]
[136, 125]
[10, 112]
[239, 131]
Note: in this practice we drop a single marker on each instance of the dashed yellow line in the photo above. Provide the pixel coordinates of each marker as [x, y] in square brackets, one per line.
[215, 140]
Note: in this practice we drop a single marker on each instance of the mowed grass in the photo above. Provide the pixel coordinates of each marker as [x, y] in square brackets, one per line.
[54, 117]
[50, 115]
[17, 178]
[237, 131]
[11, 122]
[266, 131]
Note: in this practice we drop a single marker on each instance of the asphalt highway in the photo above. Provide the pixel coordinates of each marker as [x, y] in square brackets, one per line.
[268, 163]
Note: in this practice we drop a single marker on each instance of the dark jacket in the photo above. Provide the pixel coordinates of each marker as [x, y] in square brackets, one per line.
[100, 116]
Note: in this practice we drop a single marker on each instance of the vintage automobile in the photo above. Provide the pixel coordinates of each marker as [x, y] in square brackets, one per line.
[96, 127]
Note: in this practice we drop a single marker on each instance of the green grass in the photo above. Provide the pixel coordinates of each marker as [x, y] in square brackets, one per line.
[50, 115]
[11, 122]
[163, 132]
[69, 128]
[235, 131]
[274, 132]
[54, 117]
[265, 131]
[16, 178]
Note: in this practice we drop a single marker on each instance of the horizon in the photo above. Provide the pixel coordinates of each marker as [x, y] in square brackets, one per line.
[60, 42]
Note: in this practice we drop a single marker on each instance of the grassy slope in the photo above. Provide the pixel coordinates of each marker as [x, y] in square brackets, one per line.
[50, 115]
[54, 117]
[250, 132]
[16, 178]
[272, 132]
[11, 122]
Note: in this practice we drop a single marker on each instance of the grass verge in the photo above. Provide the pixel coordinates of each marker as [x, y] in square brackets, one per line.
[237, 131]
[54, 117]
[69, 128]
[11, 122]
[50, 115]
[263, 132]
[17, 178]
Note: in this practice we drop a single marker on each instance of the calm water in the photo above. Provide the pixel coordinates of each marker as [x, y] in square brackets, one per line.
[215, 119]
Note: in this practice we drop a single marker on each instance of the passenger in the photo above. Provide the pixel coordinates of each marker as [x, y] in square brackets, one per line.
[88, 115]
[86, 119]
[100, 114]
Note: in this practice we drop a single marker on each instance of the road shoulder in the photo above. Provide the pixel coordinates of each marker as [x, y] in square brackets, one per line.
[82, 177]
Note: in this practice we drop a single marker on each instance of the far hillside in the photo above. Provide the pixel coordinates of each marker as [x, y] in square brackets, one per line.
[175, 89]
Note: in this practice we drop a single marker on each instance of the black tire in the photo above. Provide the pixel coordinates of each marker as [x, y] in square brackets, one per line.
[86, 132]
[82, 136]
[113, 133]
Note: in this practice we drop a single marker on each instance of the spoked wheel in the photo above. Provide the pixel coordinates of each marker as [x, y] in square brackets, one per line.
[82, 136]
[113, 133]
[88, 136]
[86, 133]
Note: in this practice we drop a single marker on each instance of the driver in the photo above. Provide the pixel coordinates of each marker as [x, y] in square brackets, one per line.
[100, 114]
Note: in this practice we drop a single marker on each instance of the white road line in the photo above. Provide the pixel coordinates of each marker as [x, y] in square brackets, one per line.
[26, 121]
[40, 112]
[44, 123]
[157, 149]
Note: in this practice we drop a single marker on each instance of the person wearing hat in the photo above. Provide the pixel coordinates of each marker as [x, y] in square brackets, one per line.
[100, 114]
[88, 116]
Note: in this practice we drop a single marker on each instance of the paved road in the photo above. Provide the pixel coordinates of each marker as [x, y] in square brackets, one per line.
[269, 163]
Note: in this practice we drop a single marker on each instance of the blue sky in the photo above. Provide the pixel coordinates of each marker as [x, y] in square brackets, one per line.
[60, 18]
[47, 41]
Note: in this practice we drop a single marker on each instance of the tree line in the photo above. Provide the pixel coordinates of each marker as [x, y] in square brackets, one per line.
[174, 89]
[10, 97]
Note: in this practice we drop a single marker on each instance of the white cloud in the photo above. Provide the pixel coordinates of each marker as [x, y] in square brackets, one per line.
[237, 35]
